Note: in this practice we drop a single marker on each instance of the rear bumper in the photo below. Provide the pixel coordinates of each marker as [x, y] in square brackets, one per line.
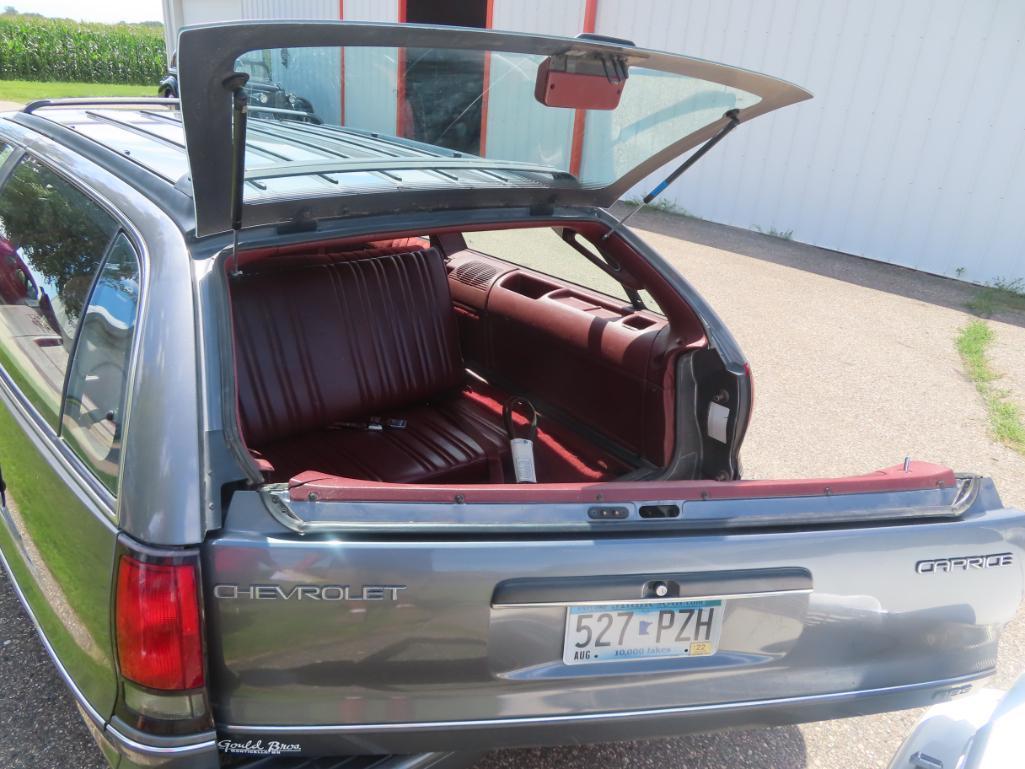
[421, 761]
[601, 727]
[128, 750]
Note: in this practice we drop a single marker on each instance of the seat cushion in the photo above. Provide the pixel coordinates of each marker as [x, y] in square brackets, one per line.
[458, 439]
[451, 441]
[324, 343]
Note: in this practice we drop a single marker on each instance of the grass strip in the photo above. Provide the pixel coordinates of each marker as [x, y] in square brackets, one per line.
[23, 91]
[1005, 417]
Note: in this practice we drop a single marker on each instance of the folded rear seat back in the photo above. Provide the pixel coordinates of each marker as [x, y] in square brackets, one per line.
[321, 344]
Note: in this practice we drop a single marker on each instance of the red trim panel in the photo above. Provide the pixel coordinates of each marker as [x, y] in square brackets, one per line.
[920, 476]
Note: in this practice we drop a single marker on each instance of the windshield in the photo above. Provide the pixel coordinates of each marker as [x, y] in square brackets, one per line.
[403, 108]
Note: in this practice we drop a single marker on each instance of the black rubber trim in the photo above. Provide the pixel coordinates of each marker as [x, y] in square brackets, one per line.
[515, 592]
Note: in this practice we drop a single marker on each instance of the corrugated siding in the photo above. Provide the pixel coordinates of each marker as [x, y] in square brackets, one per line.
[515, 120]
[210, 11]
[913, 150]
[540, 17]
[385, 11]
[290, 9]
[371, 93]
[304, 72]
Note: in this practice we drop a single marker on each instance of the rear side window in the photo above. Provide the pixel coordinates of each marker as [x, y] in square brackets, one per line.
[97, 383]
[52, 240]
[543, 250]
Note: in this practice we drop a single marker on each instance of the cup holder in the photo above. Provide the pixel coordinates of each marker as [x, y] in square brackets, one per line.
[638, 322]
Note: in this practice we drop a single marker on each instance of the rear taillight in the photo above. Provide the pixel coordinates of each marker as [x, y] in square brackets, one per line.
[159, 634]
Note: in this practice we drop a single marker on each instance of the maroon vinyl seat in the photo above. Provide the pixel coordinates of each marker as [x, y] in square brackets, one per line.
[347, 340]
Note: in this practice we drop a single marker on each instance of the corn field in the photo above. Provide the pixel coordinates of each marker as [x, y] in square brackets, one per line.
[33, 48]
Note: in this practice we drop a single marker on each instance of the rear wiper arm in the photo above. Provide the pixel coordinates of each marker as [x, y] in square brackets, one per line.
[734, 121]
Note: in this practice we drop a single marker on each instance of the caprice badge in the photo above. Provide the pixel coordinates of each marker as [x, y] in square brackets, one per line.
[309, 592]
[963, 563]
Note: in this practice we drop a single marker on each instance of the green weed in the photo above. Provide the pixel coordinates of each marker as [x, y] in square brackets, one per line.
[1005, 417]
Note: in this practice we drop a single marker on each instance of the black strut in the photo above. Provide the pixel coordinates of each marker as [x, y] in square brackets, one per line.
[734, 120]
[239, 112]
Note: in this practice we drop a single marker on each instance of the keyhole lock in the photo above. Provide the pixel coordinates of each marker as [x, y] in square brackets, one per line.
[660, 588]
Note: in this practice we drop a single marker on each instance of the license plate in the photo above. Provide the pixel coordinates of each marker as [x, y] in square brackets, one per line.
[629, 631]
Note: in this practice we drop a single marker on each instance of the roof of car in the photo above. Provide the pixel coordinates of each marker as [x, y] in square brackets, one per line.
[149, 136]
[152, 137]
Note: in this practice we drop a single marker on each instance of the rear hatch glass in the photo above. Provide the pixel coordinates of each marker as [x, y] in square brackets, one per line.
[339, 113]
[441, 98]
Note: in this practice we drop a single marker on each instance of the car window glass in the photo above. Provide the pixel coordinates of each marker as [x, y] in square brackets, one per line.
[52, 239]
[543, 250]
[5, 152]
[97, 383]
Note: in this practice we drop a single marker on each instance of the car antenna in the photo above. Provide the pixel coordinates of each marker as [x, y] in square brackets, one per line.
[732, 116]
[235, 83]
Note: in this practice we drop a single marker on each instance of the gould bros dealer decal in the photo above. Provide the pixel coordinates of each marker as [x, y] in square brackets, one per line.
[257, 747]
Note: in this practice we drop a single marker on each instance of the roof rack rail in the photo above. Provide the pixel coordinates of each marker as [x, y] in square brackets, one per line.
[109, 101]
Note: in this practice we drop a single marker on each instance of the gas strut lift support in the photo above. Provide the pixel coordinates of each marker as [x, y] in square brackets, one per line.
[239, 111]
[734, 120]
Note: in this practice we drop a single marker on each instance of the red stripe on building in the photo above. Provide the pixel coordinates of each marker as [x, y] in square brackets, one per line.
[489, 22]
[400, 87]
[341, 67]
[576, 152]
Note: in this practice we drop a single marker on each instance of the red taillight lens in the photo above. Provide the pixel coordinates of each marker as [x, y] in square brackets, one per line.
[158, 631]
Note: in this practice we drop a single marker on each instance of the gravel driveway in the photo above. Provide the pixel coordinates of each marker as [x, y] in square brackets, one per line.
[854, 366]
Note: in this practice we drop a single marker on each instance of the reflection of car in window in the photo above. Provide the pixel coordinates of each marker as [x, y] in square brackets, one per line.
[443, 104]
[262, 91]
[99, 373]
[16, 283]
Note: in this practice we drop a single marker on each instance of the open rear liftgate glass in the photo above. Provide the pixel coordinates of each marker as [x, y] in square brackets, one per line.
[642, 109]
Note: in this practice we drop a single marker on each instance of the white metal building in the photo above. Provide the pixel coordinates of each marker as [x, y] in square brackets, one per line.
[912, 152]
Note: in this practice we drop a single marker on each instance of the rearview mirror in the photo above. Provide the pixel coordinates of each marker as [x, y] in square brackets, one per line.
[580, 83]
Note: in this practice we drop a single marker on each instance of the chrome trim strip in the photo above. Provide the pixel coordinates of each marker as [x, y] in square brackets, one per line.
[738, 514]
[155, 750]
[61, 670]
[808, 699]
[686, 599]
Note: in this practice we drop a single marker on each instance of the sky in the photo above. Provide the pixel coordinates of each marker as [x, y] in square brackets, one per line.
[93, 10]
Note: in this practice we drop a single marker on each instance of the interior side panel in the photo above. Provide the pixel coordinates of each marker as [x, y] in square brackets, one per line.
[597, 360]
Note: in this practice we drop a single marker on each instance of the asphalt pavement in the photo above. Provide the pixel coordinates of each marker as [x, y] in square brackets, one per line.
[855, 367]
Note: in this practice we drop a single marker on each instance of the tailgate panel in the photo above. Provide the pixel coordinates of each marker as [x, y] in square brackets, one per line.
[362, 629]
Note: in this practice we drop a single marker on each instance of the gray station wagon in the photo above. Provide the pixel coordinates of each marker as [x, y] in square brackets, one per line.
[384, 438]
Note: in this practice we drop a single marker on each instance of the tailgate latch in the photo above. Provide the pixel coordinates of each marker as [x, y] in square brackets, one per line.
[660, 588]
